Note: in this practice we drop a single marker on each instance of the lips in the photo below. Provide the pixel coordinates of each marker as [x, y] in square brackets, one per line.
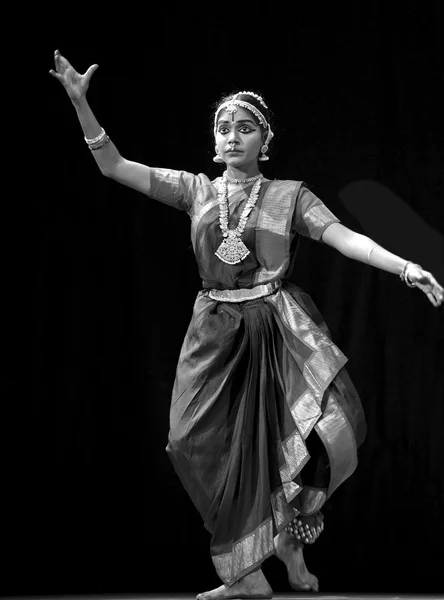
[234, 151]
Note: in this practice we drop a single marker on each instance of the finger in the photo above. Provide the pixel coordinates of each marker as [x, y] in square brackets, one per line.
[56, 75]
[424, 288]
[436, 286]
[91, 70]
[57, 57]
[438, 290]
[438, 298]
[62, 64]
[431, 297]
[57, 62]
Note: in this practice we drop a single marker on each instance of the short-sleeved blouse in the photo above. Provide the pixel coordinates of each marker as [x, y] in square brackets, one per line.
[284, 211]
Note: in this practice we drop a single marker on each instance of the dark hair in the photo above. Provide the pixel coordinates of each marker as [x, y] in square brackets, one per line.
[252, 100]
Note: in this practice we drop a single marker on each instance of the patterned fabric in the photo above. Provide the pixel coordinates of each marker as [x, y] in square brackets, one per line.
[264, 422]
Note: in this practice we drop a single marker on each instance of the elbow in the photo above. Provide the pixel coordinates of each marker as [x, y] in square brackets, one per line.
[357, 246]
[106, 171]
[346, 248]
[338, 236]
[110, 169]
[349, 243]
[349, 247]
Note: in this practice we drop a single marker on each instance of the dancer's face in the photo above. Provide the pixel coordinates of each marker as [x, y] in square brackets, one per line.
[240, 131]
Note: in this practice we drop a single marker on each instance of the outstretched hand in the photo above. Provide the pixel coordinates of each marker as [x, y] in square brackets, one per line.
[74, 83]
[428, 284]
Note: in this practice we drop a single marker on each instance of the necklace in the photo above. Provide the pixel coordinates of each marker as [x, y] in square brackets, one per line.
[240, 181]
[232, 249]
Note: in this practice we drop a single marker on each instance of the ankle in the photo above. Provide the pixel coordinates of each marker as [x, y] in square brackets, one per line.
[256, 574]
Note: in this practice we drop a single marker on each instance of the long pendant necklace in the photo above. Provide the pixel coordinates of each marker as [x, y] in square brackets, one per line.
[232, 249]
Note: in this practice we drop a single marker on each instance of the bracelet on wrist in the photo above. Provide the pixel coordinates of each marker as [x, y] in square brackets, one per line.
[404, 275]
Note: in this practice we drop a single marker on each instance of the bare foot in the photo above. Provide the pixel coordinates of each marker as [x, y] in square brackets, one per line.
[290, 552]
[253, 585]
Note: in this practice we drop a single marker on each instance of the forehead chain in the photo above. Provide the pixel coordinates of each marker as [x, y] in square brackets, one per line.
[231, 107]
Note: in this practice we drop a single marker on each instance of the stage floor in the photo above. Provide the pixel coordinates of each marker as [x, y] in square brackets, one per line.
[295, 596]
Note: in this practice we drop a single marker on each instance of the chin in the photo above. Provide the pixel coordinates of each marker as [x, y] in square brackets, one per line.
[236, 161]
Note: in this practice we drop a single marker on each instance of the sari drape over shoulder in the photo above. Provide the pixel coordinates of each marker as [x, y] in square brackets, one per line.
[265, 421]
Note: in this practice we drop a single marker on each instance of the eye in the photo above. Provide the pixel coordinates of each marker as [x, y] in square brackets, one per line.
[245, 129]
[222, 129]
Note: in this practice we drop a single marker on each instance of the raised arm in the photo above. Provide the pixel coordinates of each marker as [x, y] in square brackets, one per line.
[362, 248]
[106, 155]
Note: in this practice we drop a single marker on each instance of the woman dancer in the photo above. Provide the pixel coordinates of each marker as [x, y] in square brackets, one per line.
[265, 422]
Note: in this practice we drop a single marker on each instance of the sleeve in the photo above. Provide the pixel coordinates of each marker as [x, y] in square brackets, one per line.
[311, 216]
[175, 188]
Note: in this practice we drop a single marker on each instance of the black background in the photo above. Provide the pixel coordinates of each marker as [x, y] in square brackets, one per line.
[358, 102]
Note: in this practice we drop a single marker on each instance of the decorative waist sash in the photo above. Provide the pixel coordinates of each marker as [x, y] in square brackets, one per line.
[242, 295]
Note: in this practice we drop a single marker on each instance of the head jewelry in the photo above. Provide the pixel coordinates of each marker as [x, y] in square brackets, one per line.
[231, 107]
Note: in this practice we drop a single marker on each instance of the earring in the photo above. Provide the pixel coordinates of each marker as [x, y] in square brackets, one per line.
[217, 158]
[264, 149]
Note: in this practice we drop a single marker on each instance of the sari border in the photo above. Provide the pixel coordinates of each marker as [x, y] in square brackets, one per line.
[261, 550]
[319, 370]
[337, 435]
[278, 205]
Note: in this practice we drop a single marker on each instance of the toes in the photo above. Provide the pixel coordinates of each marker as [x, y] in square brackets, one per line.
[305, 585]
[315, 584]
[300, 587]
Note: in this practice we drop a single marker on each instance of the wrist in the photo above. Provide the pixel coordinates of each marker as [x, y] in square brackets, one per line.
[79, 103]
[408, 275]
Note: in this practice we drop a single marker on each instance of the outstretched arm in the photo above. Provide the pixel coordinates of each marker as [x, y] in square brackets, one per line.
[362, 248]
[108, 158]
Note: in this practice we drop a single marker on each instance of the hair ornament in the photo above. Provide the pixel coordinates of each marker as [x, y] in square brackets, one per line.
[258, 98]
[230, 107]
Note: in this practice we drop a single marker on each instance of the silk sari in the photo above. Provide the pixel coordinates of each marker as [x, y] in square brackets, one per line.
[264, 422]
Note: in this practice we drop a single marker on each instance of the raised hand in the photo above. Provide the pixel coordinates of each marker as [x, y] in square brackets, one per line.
[74, 83]
[427, 283]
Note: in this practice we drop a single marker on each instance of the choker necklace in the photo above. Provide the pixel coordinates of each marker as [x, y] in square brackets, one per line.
[239, 181]
[232, 250]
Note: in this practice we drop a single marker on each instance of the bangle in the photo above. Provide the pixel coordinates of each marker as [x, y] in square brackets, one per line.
[99, 144]
[99, 138]
[369, 253]
[404, 276]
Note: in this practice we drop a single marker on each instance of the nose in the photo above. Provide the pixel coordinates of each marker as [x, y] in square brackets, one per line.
[232, 138]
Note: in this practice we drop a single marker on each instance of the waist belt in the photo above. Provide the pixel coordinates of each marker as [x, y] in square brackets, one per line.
[243, 295]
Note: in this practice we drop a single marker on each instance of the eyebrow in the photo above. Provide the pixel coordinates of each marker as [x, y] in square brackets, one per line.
[237, 122]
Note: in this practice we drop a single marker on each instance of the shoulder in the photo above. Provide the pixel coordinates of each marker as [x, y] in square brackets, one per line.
[286, 186]
[197, 184]
[287, 183]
